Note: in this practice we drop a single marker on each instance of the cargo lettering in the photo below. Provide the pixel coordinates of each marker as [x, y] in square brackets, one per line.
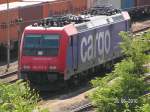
[93, 46]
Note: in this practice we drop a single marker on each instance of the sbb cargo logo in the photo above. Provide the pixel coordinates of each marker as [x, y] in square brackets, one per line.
[93, 46]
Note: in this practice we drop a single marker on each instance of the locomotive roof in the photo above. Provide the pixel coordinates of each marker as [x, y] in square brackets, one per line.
[92, 21]
[81, 22]
[96, 21]
[101, 19]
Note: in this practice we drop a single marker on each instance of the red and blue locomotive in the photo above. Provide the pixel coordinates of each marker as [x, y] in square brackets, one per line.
[61, 48]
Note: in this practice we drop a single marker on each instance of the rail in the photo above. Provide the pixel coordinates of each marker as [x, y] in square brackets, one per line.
[8, 74]
[9, 77]
[142, 30]
[83, 108]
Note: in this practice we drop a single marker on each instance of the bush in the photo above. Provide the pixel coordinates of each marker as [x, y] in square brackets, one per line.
[120, 93]
[146, 104]
[17, 97]
[124, 89]
[134, 49]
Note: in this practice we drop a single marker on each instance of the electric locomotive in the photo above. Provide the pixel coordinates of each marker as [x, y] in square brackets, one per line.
[63, 47]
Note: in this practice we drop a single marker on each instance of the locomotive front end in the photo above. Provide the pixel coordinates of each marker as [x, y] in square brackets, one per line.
[41, 57]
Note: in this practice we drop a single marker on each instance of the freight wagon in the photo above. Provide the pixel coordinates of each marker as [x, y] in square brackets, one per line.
[5, 1]
[64, 48]
[137, 9]
[122, 4]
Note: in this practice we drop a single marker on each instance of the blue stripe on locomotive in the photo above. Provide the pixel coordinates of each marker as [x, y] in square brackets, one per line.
[72, 53]
[94, 47]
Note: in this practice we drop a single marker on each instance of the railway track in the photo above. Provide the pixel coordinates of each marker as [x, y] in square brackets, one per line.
[140, 27]
[144, 30]
[141, 31]
[84, 108]
[9, 77]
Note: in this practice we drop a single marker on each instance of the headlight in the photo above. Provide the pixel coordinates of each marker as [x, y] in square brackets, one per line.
[52, 67]
[26, 67]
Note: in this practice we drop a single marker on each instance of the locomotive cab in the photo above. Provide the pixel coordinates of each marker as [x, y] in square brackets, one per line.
[42, 54]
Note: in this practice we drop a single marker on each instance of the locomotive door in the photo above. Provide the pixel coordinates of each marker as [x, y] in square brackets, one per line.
[75, 52]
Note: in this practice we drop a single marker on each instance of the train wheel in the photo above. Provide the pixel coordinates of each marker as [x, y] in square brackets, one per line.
[74, 81]
[109, 66]
[148, 10]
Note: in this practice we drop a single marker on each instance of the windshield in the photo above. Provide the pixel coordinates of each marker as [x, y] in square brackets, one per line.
[41, 45]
